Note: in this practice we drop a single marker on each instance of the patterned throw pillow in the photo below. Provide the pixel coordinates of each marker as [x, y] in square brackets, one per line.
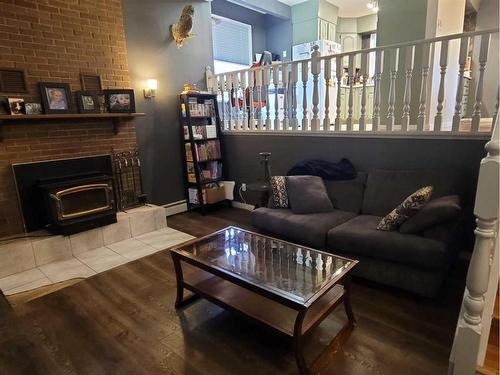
[279, 192]
[405, 210]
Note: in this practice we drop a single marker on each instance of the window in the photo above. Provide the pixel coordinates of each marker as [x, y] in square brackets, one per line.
[232, 44]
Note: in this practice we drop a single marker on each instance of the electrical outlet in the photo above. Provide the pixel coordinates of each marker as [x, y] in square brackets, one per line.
[243, 187]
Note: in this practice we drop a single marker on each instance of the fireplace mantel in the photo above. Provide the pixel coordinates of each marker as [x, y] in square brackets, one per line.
[52, 118]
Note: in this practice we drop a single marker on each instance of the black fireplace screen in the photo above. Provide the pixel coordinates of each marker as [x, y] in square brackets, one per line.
[128, 179]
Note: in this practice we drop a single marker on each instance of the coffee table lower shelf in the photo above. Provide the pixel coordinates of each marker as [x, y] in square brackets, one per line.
[230, 296]
[233, 297]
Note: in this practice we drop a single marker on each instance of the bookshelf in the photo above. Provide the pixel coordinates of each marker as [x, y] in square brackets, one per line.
[202, 150]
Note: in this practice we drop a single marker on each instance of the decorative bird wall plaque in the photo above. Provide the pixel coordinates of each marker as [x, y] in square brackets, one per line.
[182, 29]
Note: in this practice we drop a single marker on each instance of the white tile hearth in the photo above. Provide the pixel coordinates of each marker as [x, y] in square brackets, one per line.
[101, 259]
[16, 257]
[85, 241]
[164, 238]
[117, 232]
[142, 222]
[132, 249]
[29, 264]
[23, 278]
[66, 270]
[51, 249]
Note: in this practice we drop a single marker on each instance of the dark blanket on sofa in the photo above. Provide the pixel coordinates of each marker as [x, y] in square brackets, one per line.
[343, 170]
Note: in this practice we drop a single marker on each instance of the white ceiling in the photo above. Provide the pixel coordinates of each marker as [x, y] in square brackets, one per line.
[347, 8]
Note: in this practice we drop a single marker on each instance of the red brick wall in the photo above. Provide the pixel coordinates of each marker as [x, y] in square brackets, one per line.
[55, 41]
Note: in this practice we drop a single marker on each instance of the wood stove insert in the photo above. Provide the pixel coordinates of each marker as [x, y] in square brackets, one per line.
[66, 196]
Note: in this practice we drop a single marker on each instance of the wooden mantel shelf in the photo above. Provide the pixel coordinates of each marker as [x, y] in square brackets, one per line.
[115, 117]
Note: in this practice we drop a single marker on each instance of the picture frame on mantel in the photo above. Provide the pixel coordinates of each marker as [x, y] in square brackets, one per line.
[120, 100]
[56, 97]
[87, 102]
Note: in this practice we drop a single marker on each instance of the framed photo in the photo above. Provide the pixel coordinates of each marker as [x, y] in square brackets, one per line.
[87, 102]
[91, 82]
[118, 100]
[16, 106]
[33, 108]
[56, 97]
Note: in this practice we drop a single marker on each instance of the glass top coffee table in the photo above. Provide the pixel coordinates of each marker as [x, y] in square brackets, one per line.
[288, 287]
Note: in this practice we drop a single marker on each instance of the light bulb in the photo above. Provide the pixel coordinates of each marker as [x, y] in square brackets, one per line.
[369, 5]
[152, 84]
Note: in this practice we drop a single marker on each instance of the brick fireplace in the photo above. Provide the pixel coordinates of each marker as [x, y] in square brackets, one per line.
[56, 41]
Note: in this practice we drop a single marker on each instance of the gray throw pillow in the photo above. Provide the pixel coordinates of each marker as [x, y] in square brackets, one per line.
[307, 195]
[436, 211]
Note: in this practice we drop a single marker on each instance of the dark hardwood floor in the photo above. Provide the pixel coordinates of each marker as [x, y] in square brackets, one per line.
[123, 321]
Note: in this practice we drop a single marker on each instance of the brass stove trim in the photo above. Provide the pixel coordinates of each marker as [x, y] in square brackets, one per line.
[59, 205]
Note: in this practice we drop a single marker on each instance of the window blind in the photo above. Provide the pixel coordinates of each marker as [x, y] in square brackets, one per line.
[232, 41]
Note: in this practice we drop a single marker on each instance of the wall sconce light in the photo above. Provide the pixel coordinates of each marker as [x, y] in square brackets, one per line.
[150, 90]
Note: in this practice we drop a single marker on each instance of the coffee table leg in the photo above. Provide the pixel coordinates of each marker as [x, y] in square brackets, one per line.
[297, 343]
[347, 302]
[179, 278]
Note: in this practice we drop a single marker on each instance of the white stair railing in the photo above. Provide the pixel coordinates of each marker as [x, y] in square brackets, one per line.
[324, 94]
[473, 326]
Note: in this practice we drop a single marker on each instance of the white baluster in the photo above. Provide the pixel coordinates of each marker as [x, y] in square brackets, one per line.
[229, 89]
[294, 79]
[243, 79]
[483, 57]
[364, 74]
[350, 101]
[258, 87]
[470, 328]
[236, 85]
[462, 59]
[394, 61]
[305, 76]
[222, 88]
[339, 71]
[443, 62]
[315, 70]
[423, 87]
[267, 81]
[409, 58]
[276, 81]
[284, 79]
[328, 77]
[251, 83]
[379, 64]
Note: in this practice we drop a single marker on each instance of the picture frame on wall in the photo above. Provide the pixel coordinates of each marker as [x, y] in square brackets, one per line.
[56, 97]
[87, 102]
[120, 100]
[91, 82]
[16, 106]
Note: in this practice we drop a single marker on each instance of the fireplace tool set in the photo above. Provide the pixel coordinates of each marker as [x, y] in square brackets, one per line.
[128, 179]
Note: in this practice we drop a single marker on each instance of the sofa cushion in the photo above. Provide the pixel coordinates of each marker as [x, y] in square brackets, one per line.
[386, 189]
[360, 236]
[347, 195]
[309, 230]
[436, 211]
[307, 195]
[406, 209]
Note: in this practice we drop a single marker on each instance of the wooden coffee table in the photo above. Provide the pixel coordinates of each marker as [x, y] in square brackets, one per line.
[288, 287]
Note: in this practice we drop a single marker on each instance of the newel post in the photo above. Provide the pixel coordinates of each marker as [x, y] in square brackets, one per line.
[465, 350]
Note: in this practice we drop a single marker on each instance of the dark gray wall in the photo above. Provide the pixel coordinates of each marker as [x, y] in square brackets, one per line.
[238, 13]
[153, 54]
[268, 32]
[279, 37]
